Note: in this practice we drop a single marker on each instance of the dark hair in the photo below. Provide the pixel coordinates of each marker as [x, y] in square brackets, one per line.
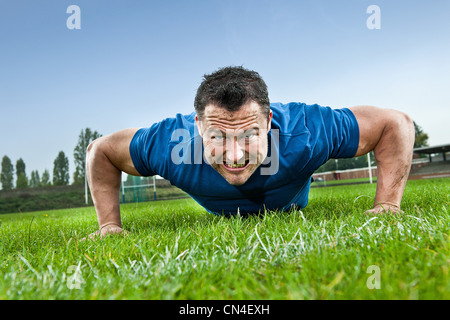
[230, 88]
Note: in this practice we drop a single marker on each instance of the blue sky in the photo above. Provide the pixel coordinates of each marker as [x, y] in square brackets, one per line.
[133, 63]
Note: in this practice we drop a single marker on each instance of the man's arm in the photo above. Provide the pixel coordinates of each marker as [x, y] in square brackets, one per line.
[106, 158]
[390, 134]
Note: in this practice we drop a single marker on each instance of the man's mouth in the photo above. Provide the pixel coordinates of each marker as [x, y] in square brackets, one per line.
[236, 166]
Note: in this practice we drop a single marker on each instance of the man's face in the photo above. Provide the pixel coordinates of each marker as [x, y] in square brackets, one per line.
[235, 143]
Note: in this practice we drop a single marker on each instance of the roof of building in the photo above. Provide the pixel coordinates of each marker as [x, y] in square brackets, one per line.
[433, 149]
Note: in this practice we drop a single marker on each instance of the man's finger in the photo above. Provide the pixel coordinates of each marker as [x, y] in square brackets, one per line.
[376, 211]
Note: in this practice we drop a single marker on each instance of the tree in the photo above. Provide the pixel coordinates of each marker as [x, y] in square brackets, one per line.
[79, 153]
[45, 179]
[7, 174]
[421, 137]
[35, 181]
[22, 180]
[61, 170]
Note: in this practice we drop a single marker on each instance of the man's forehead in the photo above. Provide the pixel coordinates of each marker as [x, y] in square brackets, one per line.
[250, 112]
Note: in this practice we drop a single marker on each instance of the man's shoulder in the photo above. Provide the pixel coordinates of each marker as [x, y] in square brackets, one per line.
[289, 118]
[287, 106]
[178, 122]
[297, 117]
[285, 109]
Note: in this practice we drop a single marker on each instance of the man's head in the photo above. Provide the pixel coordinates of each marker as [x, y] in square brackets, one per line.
[233, 118]
[230, 88]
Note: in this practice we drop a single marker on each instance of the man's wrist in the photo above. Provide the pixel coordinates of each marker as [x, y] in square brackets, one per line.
[387, 206]
[110, 225]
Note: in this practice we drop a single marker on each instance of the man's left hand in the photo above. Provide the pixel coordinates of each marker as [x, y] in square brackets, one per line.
[383, 208]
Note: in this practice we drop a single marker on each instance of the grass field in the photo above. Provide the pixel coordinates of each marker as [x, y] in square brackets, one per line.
[329, 250]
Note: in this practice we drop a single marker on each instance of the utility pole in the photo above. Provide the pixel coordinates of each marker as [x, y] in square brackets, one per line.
[370, 167]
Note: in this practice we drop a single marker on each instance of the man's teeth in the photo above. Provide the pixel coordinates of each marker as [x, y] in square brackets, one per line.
[235, 165]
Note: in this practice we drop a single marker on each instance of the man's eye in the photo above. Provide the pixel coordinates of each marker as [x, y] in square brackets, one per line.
[250, 136]
[217, 138]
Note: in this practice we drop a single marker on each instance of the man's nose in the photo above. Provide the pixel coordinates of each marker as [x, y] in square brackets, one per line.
[234, 151]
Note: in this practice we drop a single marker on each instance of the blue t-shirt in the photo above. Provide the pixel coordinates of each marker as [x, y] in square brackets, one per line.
[301, 139]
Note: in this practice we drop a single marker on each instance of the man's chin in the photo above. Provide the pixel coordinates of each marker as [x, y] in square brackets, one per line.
[237, 179]
[236, 183]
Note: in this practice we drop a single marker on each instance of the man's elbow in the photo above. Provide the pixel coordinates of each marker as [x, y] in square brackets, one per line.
[94, 150]
[403, 126]
[405, 118]
[92, 147]
[404, 122]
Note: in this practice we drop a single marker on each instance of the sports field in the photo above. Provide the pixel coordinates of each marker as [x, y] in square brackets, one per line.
[175, 250]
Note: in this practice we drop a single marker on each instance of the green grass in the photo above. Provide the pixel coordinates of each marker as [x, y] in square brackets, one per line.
[176, 250]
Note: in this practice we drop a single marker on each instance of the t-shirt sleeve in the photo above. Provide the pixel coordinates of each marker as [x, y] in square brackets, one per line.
[149, 149]
[336, 131]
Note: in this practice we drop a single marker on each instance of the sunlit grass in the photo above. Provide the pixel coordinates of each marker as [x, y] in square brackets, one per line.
[176, 250]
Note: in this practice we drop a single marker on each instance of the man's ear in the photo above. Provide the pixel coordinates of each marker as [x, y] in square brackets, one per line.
[269, 124]
[199, 126]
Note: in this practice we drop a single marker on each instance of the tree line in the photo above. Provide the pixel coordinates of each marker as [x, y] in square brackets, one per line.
[61, 173]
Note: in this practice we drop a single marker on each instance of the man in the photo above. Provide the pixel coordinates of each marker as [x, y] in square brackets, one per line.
[240, 153]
